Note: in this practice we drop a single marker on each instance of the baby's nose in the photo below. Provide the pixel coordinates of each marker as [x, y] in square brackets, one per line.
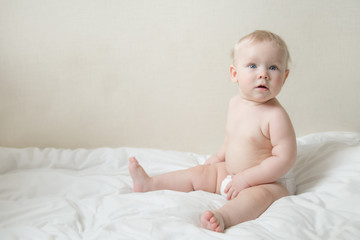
[263, 73]
[264, 76]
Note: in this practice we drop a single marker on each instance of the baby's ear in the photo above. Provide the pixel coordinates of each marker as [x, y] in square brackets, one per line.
[233, 74]
[286, 75]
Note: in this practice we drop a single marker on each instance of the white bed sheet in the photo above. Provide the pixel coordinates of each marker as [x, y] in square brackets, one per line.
[87, 194]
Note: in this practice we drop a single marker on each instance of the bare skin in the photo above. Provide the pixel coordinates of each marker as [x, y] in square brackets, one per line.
[141, 180]
[259, 148]
[256, 199]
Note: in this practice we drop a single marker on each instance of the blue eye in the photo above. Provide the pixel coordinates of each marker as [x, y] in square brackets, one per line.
[273, 68]
[252, 66]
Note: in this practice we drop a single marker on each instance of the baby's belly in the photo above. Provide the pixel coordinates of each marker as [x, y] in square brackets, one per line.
[241, 158]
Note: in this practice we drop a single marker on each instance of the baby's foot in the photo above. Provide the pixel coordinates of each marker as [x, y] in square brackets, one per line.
[140, 179]
[212, 221]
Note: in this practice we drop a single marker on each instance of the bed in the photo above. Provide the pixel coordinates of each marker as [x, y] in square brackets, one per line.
[87, 194]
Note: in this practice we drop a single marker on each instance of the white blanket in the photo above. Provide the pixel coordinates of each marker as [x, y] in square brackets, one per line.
[87, 194]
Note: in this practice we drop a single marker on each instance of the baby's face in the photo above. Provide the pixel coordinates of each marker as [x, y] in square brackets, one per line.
[260, 70]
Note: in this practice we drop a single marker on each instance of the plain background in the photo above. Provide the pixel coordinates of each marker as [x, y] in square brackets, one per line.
[155, 74]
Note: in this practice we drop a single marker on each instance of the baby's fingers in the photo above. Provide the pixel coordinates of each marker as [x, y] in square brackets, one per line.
[230, 194]
[227, 188]
[235, 194]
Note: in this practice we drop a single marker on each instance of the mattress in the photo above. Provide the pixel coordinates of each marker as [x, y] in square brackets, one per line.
[87, 194]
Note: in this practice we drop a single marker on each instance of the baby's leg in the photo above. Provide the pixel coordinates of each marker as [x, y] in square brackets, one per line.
[202, 177]
[248, 205]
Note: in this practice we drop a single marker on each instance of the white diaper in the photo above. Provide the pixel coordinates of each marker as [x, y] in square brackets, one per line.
[287, 181]
[224, 183]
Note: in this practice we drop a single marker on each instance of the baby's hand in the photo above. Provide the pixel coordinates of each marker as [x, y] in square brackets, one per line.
[236, 185]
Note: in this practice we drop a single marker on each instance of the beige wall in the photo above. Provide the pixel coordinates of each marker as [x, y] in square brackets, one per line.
[86, 73]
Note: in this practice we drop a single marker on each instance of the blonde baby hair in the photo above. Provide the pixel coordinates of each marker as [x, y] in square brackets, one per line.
[260, 36]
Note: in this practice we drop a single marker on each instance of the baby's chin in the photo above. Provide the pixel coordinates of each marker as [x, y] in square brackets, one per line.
[259, 100]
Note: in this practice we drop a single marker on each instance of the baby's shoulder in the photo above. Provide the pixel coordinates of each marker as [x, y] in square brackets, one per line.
[274, 106]
[277, 115]
[234, 99]
[233, 103]
[275, 111]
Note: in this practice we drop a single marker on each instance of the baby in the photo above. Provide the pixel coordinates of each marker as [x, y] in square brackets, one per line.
[252, 168]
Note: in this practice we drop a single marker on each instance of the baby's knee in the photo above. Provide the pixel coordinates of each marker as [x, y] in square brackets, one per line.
[280, 191]
[271, 192]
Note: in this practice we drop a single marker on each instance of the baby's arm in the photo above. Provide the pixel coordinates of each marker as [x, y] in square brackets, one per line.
[218, 157]
[283, 157]
[283, 140]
